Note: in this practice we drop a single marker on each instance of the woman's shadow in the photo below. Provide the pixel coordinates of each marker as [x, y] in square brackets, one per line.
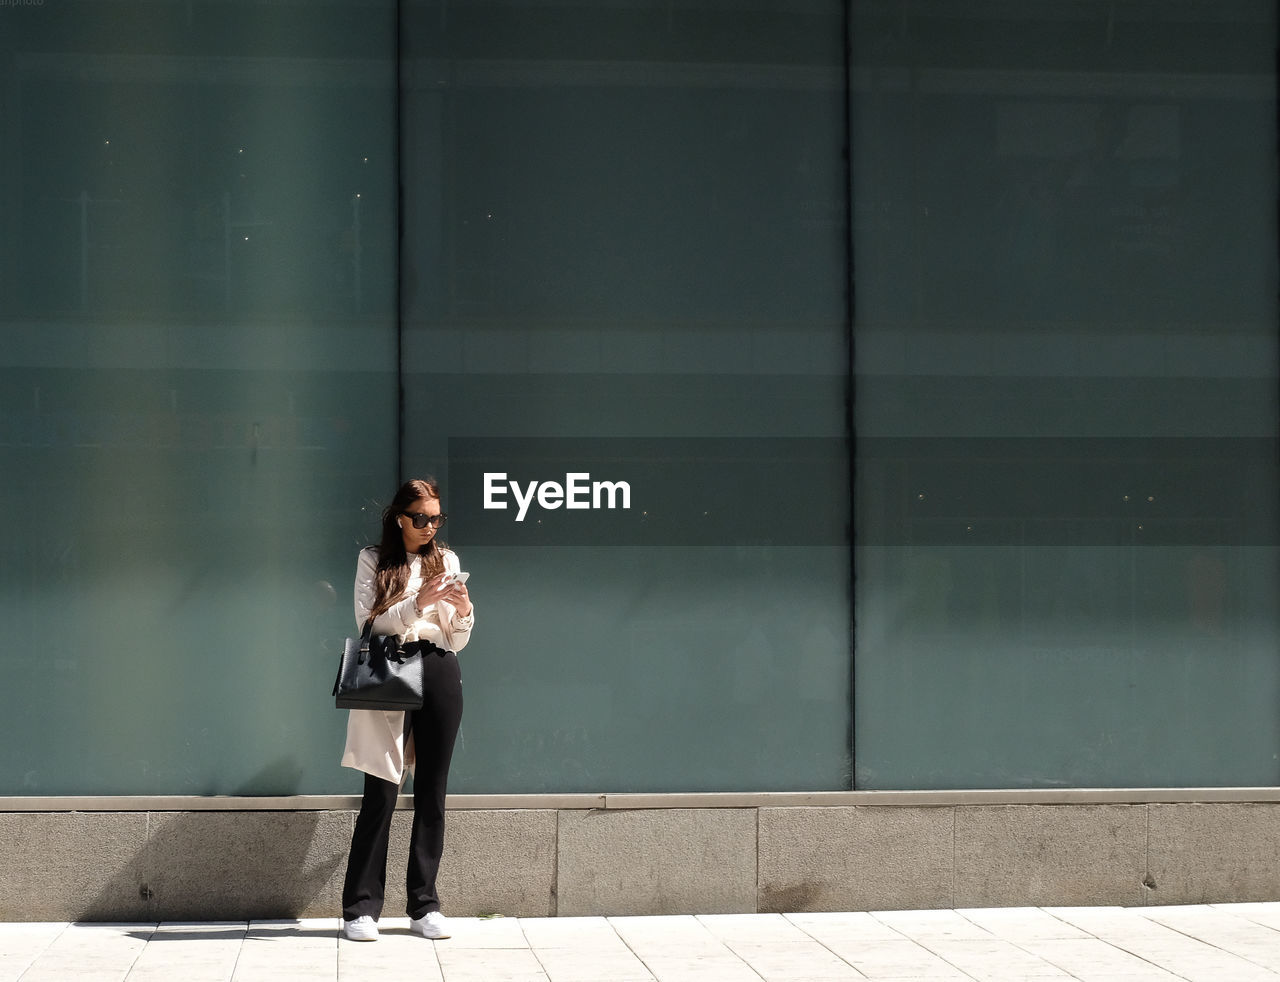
[234, 864]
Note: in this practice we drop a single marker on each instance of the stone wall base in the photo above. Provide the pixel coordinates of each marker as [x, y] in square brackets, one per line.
[237, 862]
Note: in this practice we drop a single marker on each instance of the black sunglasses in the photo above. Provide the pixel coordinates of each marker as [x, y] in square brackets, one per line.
[421, 519]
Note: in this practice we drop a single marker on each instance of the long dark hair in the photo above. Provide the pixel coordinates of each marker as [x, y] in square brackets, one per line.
[392, 574]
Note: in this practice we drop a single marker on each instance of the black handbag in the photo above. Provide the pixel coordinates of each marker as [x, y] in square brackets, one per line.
[376, 672]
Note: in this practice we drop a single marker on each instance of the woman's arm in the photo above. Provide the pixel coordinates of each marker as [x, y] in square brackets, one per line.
[455, 627]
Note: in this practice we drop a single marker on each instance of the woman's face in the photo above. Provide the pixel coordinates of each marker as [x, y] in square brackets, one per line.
[415, 540]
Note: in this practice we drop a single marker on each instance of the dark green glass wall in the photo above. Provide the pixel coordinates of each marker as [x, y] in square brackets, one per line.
[259, 261]
[626, 254]
[1065, 326]
[198, 395]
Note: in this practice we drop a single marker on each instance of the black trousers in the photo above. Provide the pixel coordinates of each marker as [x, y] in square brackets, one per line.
[434, 726]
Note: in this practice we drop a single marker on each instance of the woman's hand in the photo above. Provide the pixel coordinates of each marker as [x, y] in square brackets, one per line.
[458, 596]
[444, 587]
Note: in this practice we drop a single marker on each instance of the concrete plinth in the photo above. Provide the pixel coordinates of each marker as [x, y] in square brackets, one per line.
[238, 859]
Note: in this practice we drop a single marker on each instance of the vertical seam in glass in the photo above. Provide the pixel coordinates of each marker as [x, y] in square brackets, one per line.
[851, 379]
[399, 191]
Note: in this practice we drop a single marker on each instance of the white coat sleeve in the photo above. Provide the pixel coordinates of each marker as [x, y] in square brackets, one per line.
[398, 618]
[455, 628]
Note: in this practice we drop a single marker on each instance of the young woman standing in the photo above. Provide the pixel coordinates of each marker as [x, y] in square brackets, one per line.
[406, 584]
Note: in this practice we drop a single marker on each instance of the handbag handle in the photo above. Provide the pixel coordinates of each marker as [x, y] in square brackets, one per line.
[362, 656]
[365, 641]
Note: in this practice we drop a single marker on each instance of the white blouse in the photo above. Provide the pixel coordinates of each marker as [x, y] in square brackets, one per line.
[440, 623]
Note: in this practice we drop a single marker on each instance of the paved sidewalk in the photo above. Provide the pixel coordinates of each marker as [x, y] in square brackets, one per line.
[1223, 943]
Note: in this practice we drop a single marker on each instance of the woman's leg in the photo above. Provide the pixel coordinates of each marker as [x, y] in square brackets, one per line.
[435, 727]
[366, 882]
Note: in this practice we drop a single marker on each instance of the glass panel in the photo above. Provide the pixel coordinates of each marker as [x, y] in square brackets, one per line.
[625, 255]
[197, 351]
[1066, 409]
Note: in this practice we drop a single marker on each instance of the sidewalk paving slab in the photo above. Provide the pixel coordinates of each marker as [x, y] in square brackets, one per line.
[752, 928]
[22, 944]
[794, 961]
[1020, 924]
[490, 964]
[934, 925]
[397, 954]
[896, 959]
[567, 965]
[190, 953]
[1200, 943]
[831, 928]
[1265, 914]
[1091, 958]
[90, 951]
[575, 933]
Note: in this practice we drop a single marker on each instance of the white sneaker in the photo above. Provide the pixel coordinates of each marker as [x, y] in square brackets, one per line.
[363, 928]
[431, 925]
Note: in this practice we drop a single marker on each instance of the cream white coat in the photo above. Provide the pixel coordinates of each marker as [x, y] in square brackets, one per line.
[376, 741]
